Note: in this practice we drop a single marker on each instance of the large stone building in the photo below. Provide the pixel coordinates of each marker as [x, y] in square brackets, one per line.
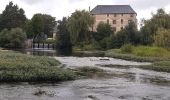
[118, 16]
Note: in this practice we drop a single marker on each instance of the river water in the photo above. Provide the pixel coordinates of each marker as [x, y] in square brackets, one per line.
[126, 84]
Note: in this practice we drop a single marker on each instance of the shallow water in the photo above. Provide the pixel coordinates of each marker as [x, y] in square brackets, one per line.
[74, 62]
[125, 84]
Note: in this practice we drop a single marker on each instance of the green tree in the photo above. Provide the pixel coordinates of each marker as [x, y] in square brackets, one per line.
[127, 35]
[132, 33]
[37, 24]
[162, 38]
[12, 17]
[79, 24]
[28, 28]
[118, 40]
[159, 20]
[64, 45]
[42, 23]
[14, 38]
[104, 31]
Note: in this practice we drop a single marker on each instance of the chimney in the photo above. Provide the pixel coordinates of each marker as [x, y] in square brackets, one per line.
[89, 9]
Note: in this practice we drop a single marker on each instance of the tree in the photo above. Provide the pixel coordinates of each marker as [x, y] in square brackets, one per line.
[64, 45]
[132, 33]
[37, 25]
[104, 31]
[42, 23]
[159, 20]
[127, 35]
[162, 38]
[28, 28]
[118, 40]
[14, 38]
[79, 24]
[12, 17]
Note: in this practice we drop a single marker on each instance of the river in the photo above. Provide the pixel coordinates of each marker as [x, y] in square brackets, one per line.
[126, 84]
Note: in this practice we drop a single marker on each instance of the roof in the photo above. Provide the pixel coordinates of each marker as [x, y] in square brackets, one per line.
[113, 9]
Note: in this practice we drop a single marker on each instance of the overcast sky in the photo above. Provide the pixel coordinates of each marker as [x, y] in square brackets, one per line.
[60, 8]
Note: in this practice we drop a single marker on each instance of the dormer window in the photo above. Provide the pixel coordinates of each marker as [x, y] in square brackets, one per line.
[107, 15]
[114, 15]
[131, 15]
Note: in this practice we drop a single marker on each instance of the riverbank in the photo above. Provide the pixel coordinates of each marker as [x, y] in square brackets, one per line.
[16, 67]
[159, 57]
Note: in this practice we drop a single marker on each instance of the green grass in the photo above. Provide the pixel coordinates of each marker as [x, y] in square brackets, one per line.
[144, 51]
[140, 53]
[16, 67]
[160, 57]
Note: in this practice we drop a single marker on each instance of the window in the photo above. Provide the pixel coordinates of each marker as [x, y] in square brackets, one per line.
[121, 21]
[122, 14]
[107, 21]
[121, 28]
[107, 15]
[114, 21]
[131, 15]
[114, 29]
[114, 15]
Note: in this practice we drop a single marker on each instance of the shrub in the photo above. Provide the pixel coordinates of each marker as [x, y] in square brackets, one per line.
[14, 38]
[127, 48]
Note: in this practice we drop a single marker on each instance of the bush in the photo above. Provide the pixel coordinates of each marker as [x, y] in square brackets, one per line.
[14, 38]
[127, 48]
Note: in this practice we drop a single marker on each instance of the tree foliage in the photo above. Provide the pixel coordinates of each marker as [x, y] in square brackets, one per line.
[103, 30]
[79, 24]
[64, 45]
[12, 17]
[14, 38]
[40, 23]
[159, 20]
[162, 38]
[127, 35]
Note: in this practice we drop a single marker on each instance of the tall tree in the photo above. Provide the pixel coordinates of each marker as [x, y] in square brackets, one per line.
[159, 20]
[12, 17]
[79, 24]
[64, 45]
[43, 23]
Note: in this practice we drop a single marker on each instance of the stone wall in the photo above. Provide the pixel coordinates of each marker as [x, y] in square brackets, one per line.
[117, 17]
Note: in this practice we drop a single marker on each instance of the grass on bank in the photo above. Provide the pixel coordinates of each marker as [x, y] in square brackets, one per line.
[140, 53]
[16, 67]
[160, 57]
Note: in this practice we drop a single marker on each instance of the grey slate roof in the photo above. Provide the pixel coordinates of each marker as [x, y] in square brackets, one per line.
[113, 9]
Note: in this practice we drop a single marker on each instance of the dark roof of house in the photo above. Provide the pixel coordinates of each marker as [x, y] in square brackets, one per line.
[112, 9]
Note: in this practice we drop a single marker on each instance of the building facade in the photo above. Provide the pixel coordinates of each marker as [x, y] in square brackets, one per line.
[118, 16]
